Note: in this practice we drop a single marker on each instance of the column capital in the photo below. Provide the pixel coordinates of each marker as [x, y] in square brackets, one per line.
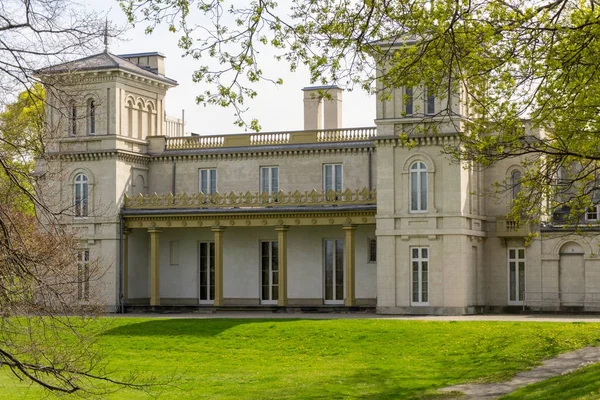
[154, 230]
[218, 228]
[126, 231]
[349, 227]
[282, 228]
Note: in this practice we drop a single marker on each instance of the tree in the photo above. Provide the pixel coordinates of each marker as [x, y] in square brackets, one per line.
[45, 334]
[519, 67]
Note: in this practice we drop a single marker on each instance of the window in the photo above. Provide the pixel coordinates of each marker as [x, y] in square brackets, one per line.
[418, 187]
[334, 271]
[429, 102]
[515, 183]
[592, 214]
[73, 119]
[408, 98]
[91, 117]
[174, 253]
[372, 250]
[516, 276]
[83, 275]
[269, 180]
[208, 181]
[420, 275]
[207, 272]
[332, 177]
[81, 195]
[269, 277]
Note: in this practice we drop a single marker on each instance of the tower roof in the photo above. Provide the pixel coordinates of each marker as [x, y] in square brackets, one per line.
[104, 61]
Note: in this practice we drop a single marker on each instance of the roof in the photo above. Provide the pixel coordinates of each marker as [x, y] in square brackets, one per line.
[105, 61]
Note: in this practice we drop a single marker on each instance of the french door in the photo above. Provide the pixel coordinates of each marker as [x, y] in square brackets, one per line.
[334, 271]
[206, 257]
[516, 276]
[269, 276]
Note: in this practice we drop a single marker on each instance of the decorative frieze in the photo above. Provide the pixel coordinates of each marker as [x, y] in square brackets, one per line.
[249, 199]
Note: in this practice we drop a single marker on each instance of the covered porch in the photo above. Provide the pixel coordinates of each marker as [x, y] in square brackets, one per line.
[318, 254]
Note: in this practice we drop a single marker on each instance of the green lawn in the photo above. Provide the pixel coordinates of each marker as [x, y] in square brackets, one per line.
[583, 384]
[326, 359]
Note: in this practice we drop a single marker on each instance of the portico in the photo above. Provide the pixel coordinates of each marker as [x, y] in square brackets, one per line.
[237, 272]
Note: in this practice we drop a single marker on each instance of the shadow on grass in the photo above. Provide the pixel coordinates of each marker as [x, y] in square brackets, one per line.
[185, 327]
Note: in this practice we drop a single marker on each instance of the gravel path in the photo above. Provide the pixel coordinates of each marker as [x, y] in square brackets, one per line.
[563, 364]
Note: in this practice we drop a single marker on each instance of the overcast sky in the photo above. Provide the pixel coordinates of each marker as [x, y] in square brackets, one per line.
[276, 108]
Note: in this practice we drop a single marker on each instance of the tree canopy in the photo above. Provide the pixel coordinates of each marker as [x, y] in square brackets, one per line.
[521, 67]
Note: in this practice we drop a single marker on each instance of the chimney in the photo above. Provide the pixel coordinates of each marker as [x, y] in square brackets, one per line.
[152, 61]
[314, 97]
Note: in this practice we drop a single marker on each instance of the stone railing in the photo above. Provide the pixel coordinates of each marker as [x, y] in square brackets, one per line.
[509, 228]
[248, 199]
[273, 138]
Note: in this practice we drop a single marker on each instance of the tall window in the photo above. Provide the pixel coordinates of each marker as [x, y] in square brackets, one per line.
[269, 276]
[83, 275]
[208, 181]
[429, 102]
[332, 177]
[408, 98]
[418, 187]
[73, 119]
[207, 272]
[515, 183]
[91, 117]
[516, 275]
[81, 196]
[174, 253]
[372, 250]
[269, 180]
[420, 275]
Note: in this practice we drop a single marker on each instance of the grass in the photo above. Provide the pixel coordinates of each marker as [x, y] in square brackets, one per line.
[321, 359]
[583, 384]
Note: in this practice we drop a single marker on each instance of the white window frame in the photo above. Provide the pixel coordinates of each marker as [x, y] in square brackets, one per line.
[83, 275]
[335, 174]
[81, 185]
[592, 214]
[210, 185]
[517, 259]
[421, 193]
[272, 254]
[272, 176]
[422, 262]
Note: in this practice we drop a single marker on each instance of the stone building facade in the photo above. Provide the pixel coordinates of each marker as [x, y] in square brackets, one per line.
[321, 218]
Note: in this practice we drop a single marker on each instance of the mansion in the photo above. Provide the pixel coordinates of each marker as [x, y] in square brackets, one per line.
[326, 218]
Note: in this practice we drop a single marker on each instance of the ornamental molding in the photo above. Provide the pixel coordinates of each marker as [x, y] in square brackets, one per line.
[102, 155]
[251, 199]
[291, 219]
[250, 154]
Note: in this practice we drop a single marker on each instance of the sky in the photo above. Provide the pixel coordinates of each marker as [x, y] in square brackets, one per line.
[277, 108]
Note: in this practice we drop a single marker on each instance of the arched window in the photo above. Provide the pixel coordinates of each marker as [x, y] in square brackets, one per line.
[418, 186]
[149, 129]
[72, 119]
[515, 183]
[140, 110]
[130, 119]
[91, 112]
[81, 195]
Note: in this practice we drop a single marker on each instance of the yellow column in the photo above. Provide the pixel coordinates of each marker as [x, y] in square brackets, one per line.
[218, 237]
[126, 233]
[154, 266]
[350, 251]
[282, 231]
